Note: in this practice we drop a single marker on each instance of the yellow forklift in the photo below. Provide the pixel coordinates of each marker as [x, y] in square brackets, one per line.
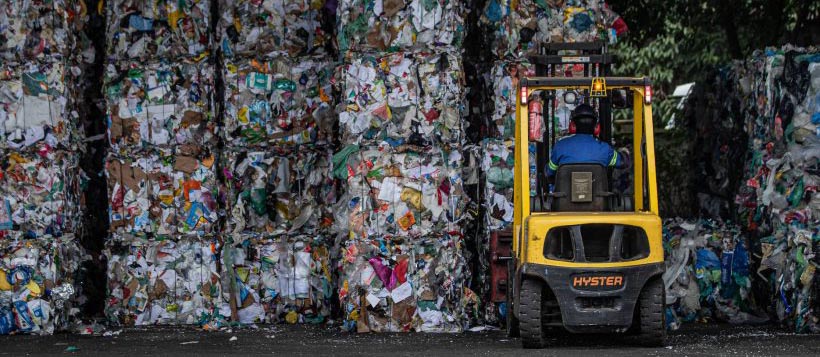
[585, 257]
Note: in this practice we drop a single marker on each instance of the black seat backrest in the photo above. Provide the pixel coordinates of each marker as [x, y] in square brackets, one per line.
[581, 188]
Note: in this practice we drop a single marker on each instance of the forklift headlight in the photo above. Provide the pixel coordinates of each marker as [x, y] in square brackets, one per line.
[524, 95]
[570, 97]
[647, 94]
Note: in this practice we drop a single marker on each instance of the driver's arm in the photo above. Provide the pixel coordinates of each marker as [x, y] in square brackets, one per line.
[618, 159]
[552, 165]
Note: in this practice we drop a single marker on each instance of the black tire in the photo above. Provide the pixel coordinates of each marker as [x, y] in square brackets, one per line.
[652, 315]
[531, 316]
[512, 323]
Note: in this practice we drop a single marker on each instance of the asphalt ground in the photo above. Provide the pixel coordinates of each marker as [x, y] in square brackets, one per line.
[691, 340]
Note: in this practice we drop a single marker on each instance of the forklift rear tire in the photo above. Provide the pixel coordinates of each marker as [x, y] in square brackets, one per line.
[652, 314]
[531, 314]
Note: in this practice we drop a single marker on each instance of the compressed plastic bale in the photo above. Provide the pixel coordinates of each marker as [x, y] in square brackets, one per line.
[413, 241]
[517, 28]
[383, 174]
[497, 158]
[279, 192]
[162, 282]
[399, 285]
[414, 98]
[399, 24]
[37, 30]
[279, 278]
[504, 77]
[40, 194]
[140, 30]
[35, 106]
[400, 162]
[274, 27]
[159, 104]
[38, 284]
[282, 101]
[163, 194]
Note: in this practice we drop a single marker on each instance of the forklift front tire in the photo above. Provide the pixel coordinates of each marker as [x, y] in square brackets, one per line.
[652, 314]
[531, 314]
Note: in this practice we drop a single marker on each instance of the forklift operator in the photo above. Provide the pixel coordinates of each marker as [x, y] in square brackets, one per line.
[583, 147]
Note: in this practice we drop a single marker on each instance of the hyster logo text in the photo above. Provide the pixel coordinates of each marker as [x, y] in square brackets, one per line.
[596, 281]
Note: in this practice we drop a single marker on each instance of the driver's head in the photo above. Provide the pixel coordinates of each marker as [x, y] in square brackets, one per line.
[585, 119]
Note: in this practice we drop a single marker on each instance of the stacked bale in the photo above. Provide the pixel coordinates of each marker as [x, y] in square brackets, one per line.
[162, 167]
[402, 138]
[39, 176]
[277, 131]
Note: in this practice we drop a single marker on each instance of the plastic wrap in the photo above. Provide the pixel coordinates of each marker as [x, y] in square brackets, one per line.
[283, 101]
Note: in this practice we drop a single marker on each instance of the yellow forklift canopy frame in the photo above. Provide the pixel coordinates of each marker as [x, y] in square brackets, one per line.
[531, 227]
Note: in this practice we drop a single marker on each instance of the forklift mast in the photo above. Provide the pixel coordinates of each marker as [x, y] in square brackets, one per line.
[551, 59]
[550, 62]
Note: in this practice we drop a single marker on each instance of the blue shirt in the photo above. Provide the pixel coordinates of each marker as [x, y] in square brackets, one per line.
[583, 149]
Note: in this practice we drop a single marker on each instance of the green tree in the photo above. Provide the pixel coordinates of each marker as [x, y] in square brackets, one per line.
[678, 41]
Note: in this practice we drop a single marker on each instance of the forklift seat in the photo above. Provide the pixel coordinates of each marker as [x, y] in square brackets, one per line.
[581, 188]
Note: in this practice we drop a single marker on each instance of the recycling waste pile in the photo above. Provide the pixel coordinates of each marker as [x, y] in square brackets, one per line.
[248, 28]
[40, 178]
[278, 102]
[761, 268]
[278, 234]
[514, 28]
[401, 214]
[310, 162]
[382, 26]
[162, 29]
[162, 165]
[708, 273]
[780, 203]
[278, 68]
